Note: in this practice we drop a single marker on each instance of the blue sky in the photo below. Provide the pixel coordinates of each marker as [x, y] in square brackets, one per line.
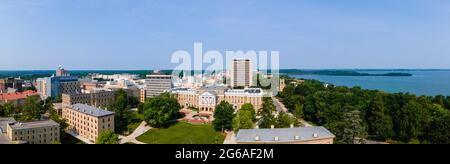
[140, 34]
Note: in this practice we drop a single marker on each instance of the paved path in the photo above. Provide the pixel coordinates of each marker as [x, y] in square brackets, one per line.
[230, 139]
[73, 134]
[280, 107]
[141, 129]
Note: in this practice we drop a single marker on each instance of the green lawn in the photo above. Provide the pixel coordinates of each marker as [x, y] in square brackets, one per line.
[183, 133]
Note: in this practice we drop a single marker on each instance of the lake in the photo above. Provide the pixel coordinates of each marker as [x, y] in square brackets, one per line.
[423, 82]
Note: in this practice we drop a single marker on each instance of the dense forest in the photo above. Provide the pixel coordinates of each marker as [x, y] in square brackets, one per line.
[354, 113]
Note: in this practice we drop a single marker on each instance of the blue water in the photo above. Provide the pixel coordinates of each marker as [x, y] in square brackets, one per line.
[421, 83]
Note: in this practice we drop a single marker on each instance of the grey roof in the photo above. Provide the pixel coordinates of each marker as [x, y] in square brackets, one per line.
[33, 124]
[90, 110]
[4, 121]
[283, 134]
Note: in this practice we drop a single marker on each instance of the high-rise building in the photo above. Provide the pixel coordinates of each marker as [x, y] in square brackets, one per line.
[87, 121]
[241, 73]
[155, 84]
[56, 85]
[61, 72]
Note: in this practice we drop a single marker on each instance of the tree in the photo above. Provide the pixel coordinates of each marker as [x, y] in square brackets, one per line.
[438, 132]
[10, 110]
[243, 120]
[2, 111]
[409, 121]
[121, 110]
[284, 120]
[298, 111]
[55, 142]
[223, 116]
[267, 119]
[353, 129]
[380, 124]
[107, 137]
[160, 109]
[250, 108]
[33, 109]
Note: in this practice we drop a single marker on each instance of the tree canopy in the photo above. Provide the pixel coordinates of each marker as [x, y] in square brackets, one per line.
[223, 116]
[107, 137]
[160, 109]
[383, 116]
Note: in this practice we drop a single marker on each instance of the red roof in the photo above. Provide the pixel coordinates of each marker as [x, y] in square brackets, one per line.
[16, 96]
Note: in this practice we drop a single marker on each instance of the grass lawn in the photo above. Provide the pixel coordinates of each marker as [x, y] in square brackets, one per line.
[183, 133]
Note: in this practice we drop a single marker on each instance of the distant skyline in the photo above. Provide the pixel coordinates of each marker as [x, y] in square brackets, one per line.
[142, 35]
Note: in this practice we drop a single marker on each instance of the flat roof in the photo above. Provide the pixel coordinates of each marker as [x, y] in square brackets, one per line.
[4, 122]
[90, 110]
[33, 124]
[283, 134]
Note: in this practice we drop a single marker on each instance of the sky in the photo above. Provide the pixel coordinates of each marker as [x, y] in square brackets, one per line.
[143, 34]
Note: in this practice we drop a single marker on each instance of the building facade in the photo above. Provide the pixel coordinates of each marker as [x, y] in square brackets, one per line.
[96, 99]
[87, 121]
[207, 98]
[10, 83]
[155, 84]
[241, 73]
[57, 85]
[35, 132]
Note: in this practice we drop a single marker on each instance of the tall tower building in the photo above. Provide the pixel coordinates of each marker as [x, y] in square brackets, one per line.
[241, 73]
[61, 72]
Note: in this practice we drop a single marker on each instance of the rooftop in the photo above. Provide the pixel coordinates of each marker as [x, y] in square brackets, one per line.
[33, 124]
[283, 134]
[90, 110]
[16, 96]
[4, 121]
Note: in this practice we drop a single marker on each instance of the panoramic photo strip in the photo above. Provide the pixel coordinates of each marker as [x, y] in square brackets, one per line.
[243, 75]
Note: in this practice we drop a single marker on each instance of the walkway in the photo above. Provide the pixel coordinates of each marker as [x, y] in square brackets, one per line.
[141, 129]
[280, 107]
[230, 138]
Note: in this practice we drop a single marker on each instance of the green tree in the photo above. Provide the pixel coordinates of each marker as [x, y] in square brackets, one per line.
[33, 109]
[121, 110]
[55, 142]
[2, 111]
[250, 108]
[353, 128]
[107, 137]
[243, 120]
[438, 132]
[409, 121]
[284, 120]
[298, 111]
[10, 110]
[223, 116]
[380, 124]
[267, 119]
[160, 109]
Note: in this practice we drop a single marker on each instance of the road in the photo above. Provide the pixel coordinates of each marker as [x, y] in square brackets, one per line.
[141, 129]
[280, 107]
